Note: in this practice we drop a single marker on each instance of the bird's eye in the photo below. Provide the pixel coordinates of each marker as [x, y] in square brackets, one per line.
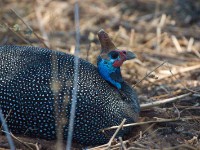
[114, 55]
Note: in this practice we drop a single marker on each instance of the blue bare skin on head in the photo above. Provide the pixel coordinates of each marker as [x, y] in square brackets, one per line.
[109, 66]
[106, 69]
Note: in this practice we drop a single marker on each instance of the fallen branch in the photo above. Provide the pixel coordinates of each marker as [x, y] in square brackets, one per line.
[29, 27]
[149, 73]
[112, 138]
[122, 143]
[28, 145]
[108, 145]
[192, 91]
[159, 120]
[164, 101]
[175, 72]
[18, 35]
[176, 44]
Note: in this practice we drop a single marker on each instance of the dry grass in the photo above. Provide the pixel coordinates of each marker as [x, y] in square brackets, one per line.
[157, 31]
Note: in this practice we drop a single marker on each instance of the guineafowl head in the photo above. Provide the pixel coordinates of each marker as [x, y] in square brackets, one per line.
[111, 59]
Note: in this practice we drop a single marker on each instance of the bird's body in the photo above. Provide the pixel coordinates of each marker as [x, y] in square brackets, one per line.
[36, 90]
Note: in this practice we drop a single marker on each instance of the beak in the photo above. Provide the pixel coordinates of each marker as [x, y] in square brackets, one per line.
[130, 55]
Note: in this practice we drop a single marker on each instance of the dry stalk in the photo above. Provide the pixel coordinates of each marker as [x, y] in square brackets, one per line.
[18, 35]
[149, 73]
[132, 38]
[159, 31]
[29, 27]
[167, 94]
[159, 120]
[164, 101]
[176, 44]
[6, 118]
[122, 143]
[179, 114]
[182, 83]
[147, 44]
[190, 44]
[112, 138]
[108, 145]
[104, 146]
[182, 146]
[38, 13]
[25, 143]
[196, 52]
[183, 70]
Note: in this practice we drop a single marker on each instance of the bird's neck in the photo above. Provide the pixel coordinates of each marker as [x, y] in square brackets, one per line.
[110, 73]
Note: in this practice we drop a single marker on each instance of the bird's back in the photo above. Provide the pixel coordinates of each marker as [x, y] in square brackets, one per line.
[36, 89]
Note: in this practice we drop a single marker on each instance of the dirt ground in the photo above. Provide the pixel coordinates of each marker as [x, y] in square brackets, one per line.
[164, 34]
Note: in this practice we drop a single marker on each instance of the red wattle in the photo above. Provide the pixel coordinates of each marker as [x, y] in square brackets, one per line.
[118, 63]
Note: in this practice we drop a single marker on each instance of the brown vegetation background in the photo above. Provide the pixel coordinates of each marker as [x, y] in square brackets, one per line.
[164, 34]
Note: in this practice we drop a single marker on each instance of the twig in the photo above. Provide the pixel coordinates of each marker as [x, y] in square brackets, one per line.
[182, 83]
[112, 138]
[25, 143]
[182, 70]
[149, 73]
[146, 44]
[158, 38]
[106, 145]
[29, 27]
[99, 147]
[167, 94]
[88, 49]
[176, 44]
[6, 118]
[132, 38]
[179, 114]
[76, 75]
[41, 24]
[164, 101]
[18, 35]
[37, 146]
[156, 121]
[159, 31]
[146, 130]
[148, 17]
[122, 143]
[190, 43]
[5, 127]
[196, 52]
[138, 144]
[182, 146]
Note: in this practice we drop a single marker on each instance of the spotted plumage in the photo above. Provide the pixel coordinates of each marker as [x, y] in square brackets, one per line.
[36, 89]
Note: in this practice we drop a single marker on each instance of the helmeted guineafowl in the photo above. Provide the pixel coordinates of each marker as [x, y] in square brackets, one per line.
[36, 89]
